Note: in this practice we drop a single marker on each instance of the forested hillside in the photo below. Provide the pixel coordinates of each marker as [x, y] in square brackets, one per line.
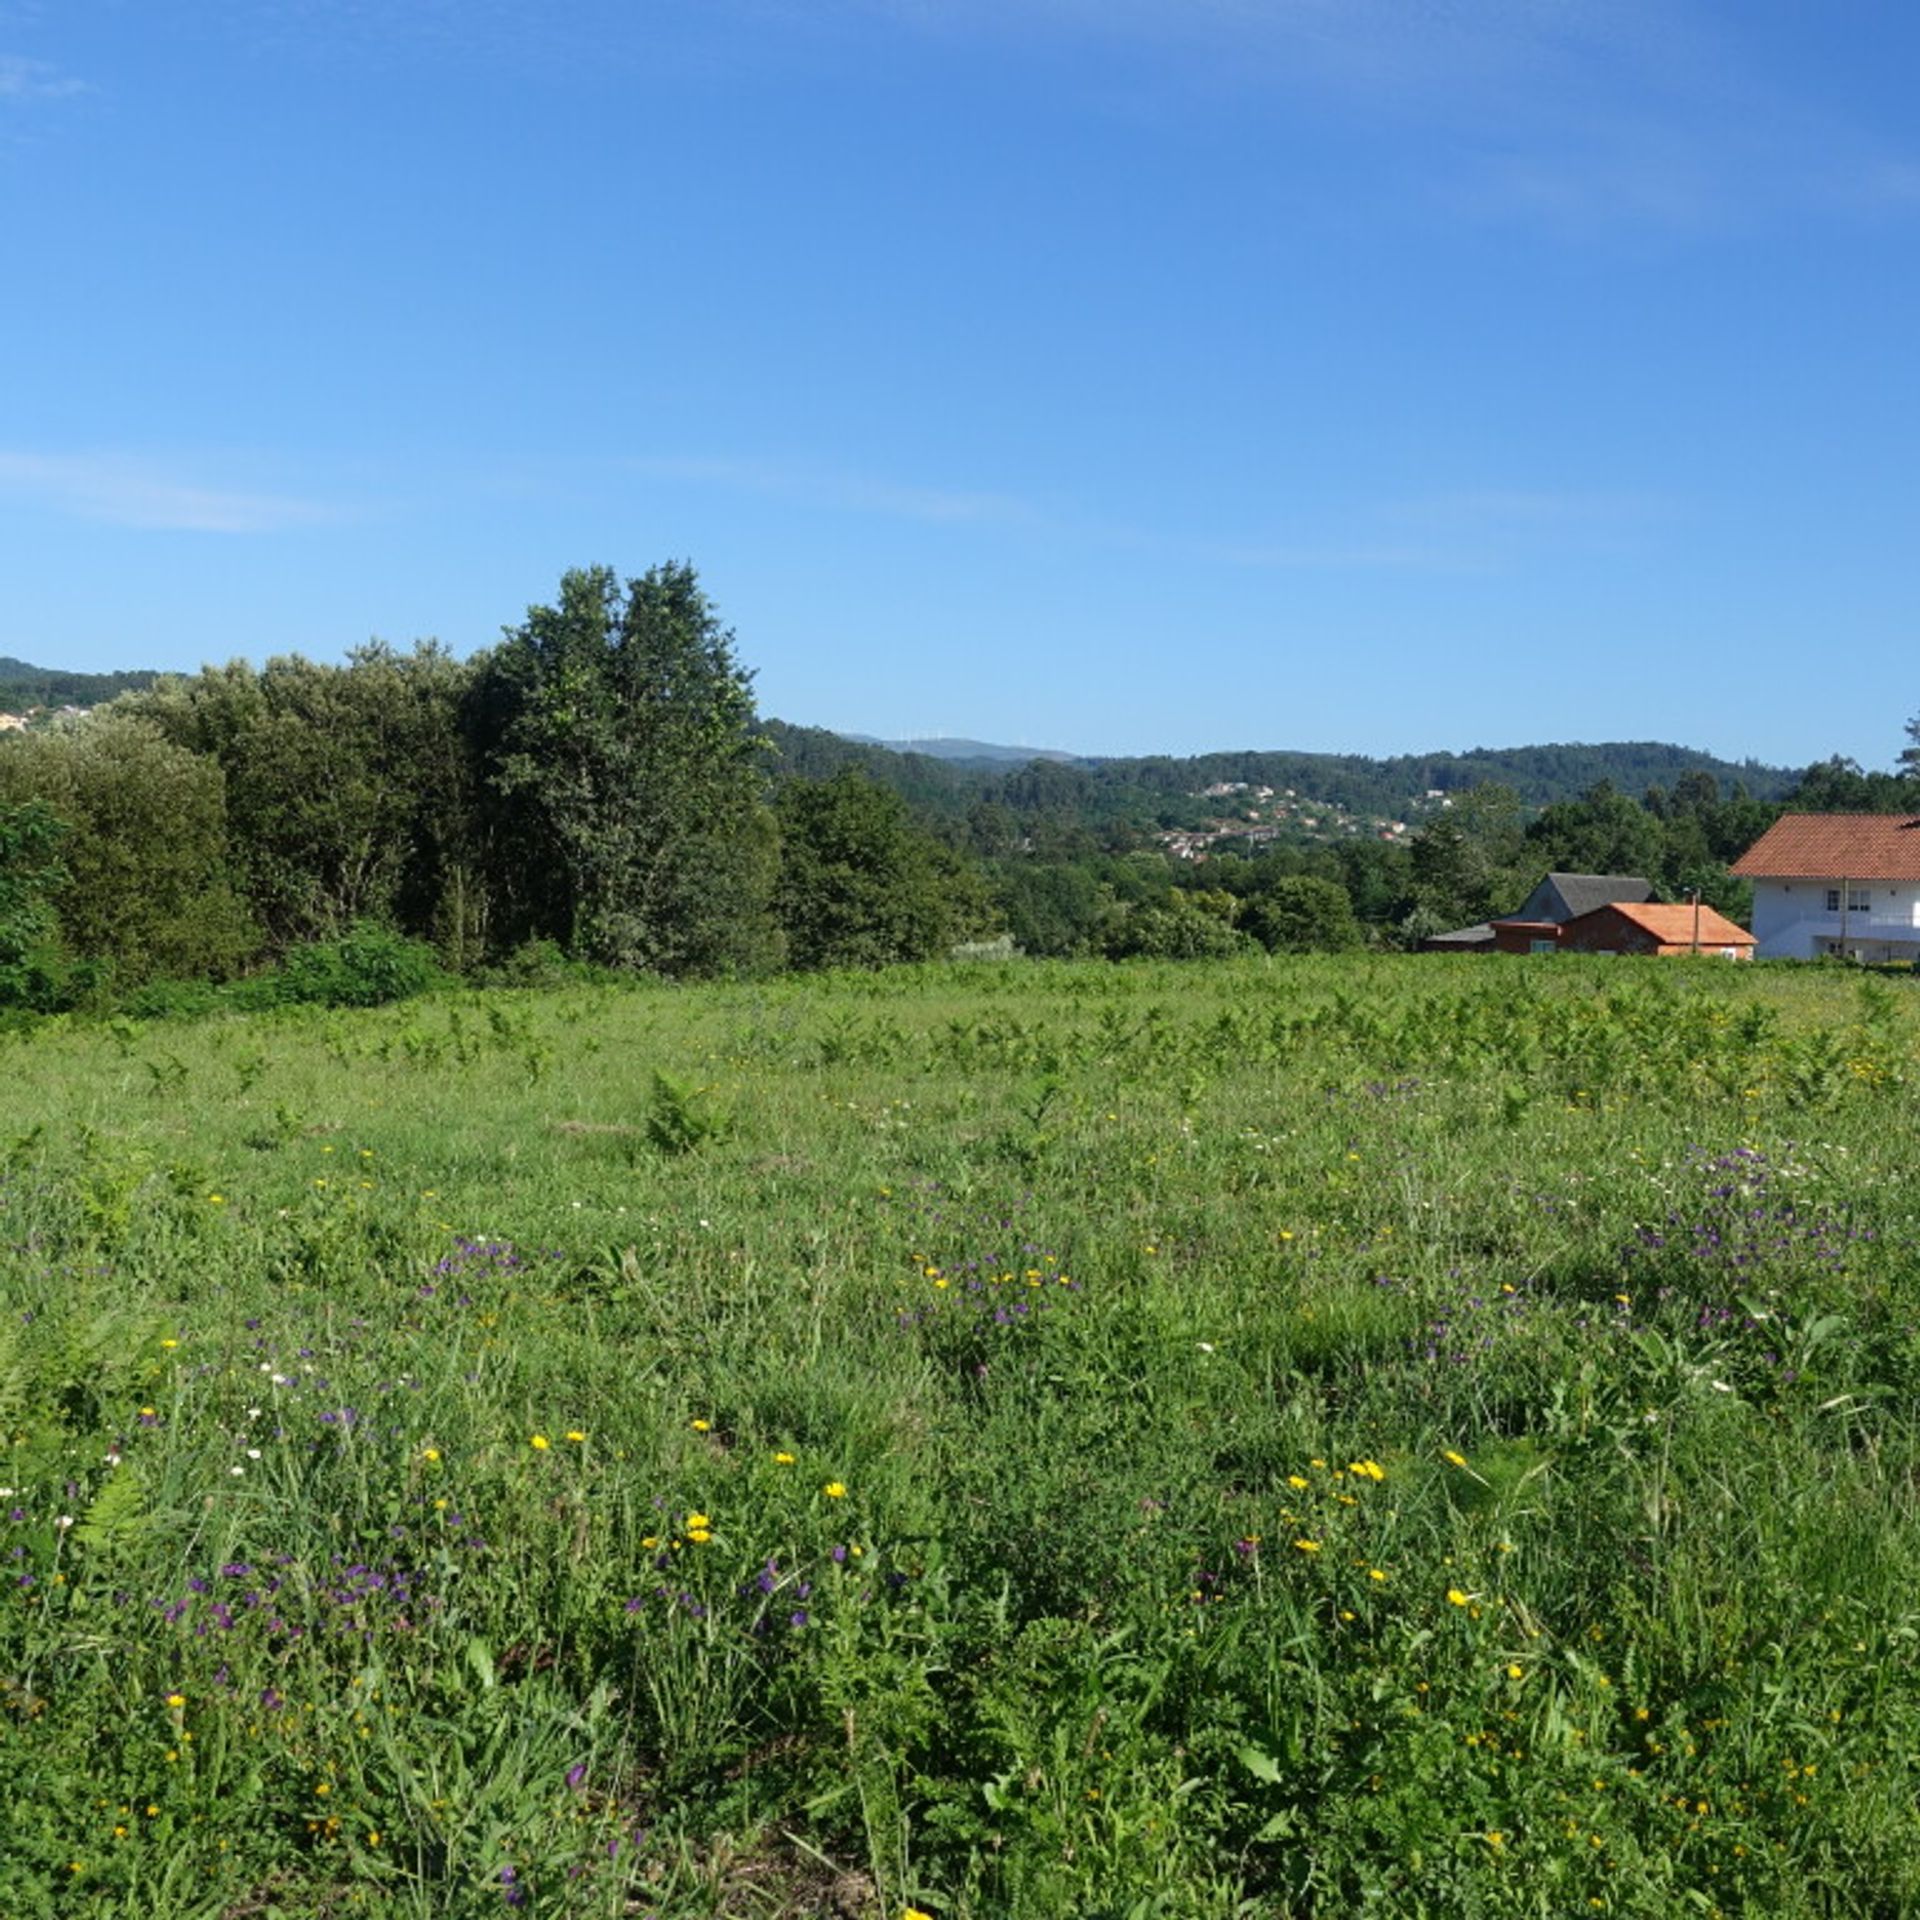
[23, 686]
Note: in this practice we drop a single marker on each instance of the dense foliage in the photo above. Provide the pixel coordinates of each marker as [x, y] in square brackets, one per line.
[1286, 1437]
[598, 790]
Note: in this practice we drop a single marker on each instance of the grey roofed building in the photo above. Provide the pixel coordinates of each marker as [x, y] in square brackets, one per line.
[1474, 939]
[1560, 897]
[1566, 896]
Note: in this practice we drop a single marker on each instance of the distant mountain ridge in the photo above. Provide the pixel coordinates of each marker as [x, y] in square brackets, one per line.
[949, 774]
[980, 752]
[1539, 775]
[23, 685]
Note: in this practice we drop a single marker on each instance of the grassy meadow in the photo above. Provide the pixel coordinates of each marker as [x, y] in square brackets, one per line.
[1300, 1438]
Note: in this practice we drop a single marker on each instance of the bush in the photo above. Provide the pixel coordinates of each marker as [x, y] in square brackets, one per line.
[369, 967]
[176, 999]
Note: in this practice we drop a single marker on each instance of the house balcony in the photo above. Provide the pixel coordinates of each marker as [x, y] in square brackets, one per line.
[1865, 936]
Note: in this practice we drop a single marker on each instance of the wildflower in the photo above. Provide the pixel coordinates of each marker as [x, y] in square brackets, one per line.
[695, 1521]
[169, 1344]
[431, 1455]
[834, 1490]
[1454, 1459]
[539, 1443]
[1368, 1470]
[1515, 1671]
[914, 1913]
[1297, 1480]
[702, 1426]
[176, 1700]
[578, 1438]
[1308, 1546]
[1374, 1573]
[783, 1459]
[1455, 1598]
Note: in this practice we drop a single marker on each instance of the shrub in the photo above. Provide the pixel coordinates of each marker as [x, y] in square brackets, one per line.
[368, 967]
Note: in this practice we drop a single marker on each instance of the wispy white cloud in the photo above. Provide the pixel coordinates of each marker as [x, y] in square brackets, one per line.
[1467, 530]
[128, 491]
[22, 79]
[1574, 115]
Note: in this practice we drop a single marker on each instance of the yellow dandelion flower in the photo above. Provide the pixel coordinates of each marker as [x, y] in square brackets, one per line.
[1308, 1546]
[176, 1700]
[431, 1454]
[1455, 1598]
[539, 1443]
[1454, 1459]
[1297, 1480]
[783, 1459]
[702, 1426]
[1374, 1573]
[834, 1490]
[699, 1535]
[578, 1438]
[698, 1520]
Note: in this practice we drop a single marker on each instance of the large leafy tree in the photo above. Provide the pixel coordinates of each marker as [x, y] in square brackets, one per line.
[624, 762]
[145, 885]
[861, 885]
[1301, 913]
[349, 789]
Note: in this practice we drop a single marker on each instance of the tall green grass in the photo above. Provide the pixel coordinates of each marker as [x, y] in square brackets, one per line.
[1295, 1438]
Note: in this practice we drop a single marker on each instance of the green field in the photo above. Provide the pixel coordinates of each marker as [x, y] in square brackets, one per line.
[1414, 1436]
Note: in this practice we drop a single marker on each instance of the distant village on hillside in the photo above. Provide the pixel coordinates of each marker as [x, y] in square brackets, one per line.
[1261, 816]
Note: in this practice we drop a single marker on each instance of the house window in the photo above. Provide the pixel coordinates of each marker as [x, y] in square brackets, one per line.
[1859, 899]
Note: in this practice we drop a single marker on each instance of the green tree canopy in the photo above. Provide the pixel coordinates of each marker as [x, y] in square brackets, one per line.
[349, 789]
[1302, 914]
[146, 886]
[620, 740]
[860, 885]
[30, 871]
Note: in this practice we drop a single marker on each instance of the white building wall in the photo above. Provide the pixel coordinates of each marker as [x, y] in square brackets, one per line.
[1792, 921]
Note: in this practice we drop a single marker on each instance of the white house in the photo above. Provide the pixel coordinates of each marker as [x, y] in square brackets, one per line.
[1839, 884]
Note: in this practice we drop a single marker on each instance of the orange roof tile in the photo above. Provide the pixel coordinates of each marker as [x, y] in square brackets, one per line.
[1835, 846]
[1673, 925]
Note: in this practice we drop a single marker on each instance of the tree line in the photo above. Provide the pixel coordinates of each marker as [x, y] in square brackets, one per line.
[596, 787]
[599, 789]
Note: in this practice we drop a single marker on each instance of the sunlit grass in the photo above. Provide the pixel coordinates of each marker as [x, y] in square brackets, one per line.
[1433, 1436]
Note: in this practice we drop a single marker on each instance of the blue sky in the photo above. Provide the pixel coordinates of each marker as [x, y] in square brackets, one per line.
[1120, 375]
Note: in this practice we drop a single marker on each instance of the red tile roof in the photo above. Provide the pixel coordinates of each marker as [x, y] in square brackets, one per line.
[1673, 925]
[1835, 846]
